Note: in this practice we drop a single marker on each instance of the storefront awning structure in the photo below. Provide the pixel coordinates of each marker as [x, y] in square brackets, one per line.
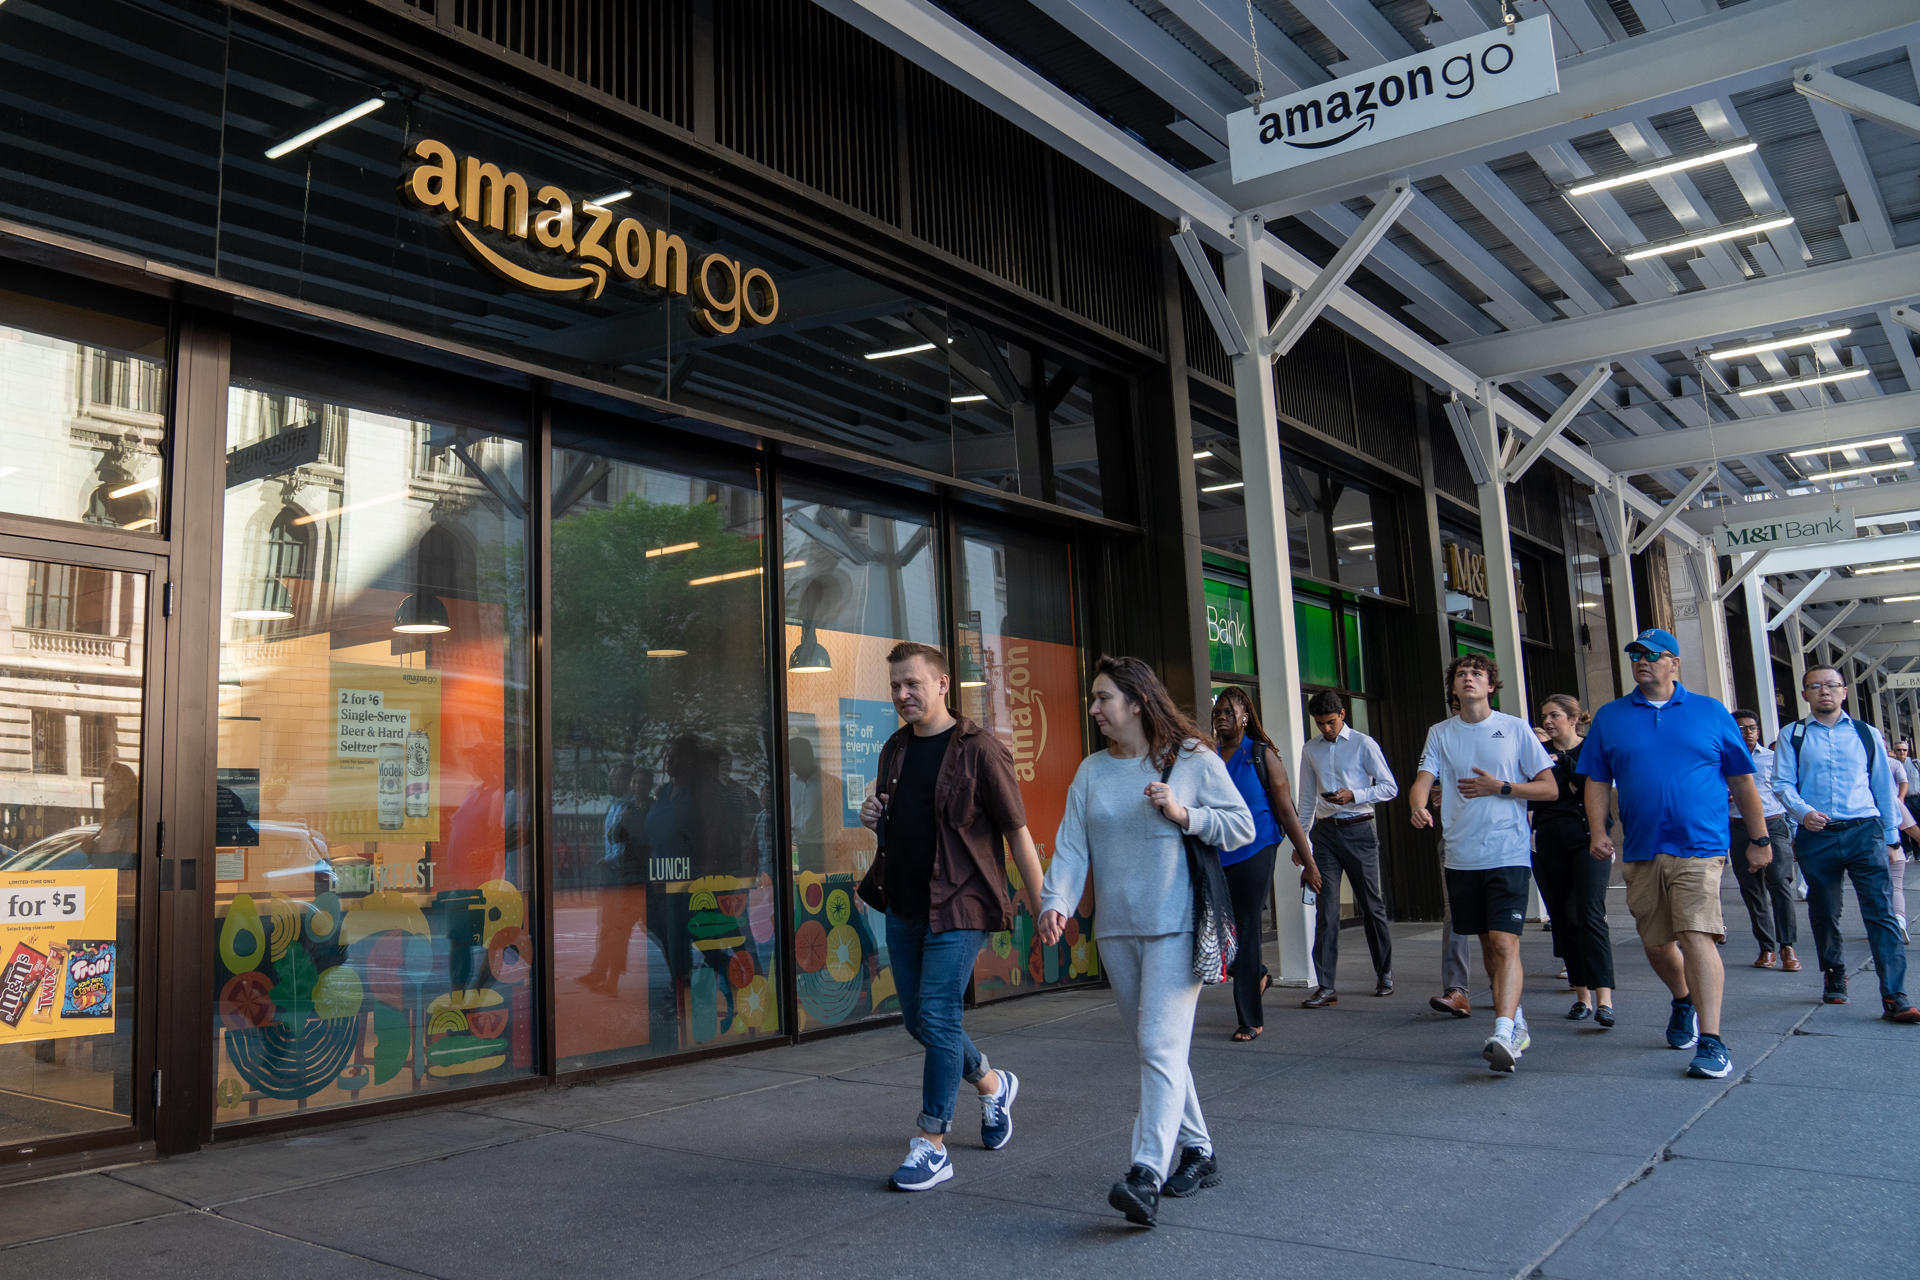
[1581, 329]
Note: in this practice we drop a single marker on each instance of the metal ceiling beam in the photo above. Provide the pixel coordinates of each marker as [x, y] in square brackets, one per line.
[1858, 551]
[1866, 500]
[1140, 47]
[1693, 319]
[1791, 607]
[1834, 424]
[1868, 614]
[1832, 625]
[1852, 590]
[1306, 305]
[1660, 522]
[1822, 85]
[1752, 45]
[1568, 410]
[1882, 633]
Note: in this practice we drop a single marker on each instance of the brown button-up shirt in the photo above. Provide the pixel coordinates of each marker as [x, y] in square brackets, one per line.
[976, 802]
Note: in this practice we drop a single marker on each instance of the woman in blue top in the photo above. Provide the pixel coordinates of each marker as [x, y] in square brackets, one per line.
[1261, 775]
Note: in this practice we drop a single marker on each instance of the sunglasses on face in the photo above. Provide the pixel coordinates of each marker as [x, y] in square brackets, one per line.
[1645, 655]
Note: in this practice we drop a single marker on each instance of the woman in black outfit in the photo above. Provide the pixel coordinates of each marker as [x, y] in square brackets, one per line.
[1260, 775]
[1573, 882]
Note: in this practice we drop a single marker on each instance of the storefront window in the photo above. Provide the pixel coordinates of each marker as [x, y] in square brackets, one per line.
[83, 412]
[860, 578]
[664, 927]
[373, 878]
[1018, 672]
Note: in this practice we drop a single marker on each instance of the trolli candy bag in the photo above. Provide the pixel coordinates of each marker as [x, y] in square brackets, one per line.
[89, 980]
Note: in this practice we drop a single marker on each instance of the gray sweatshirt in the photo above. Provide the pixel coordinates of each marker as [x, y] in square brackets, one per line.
[1140, 882]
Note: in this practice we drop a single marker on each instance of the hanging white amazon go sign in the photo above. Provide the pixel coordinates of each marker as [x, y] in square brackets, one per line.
[1778, 533]
[1466, 78]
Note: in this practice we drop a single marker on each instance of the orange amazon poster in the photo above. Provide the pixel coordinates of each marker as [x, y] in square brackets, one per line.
[59, 963]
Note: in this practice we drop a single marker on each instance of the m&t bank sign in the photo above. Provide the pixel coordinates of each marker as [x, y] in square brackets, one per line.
[1767, 535]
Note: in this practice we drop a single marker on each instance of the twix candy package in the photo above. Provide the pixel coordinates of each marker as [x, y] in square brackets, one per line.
[89, 980]
[48, 993]
[18, 981]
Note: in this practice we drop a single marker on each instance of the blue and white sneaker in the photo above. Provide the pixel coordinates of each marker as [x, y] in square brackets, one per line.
[996, 1113]
[925, 1168]
[1683, 1028]
[1711, 1061]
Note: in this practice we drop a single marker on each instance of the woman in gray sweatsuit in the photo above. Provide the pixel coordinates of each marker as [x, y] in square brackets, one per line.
[1123, 823]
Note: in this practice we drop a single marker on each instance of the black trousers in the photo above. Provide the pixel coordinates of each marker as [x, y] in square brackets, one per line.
[1248, 883]
[1353, 849]
[1573, 884]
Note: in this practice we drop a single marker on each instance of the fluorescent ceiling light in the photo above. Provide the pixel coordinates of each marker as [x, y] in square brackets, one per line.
[357, 506]
[1856, 444]
[148, 523]
[138, 486]
[1198, 454]
[325, 127]
[1222, 488]
[1589, 604]
[675, 549]
[1799, 339]
[261, 615]
[794, 564]
[1361, 546]
[613, 198]
[975, 398]
[1661, 170]
[722, 577]
[1707, 237]
[1887, 568]
[666, 653]
[1898, 517]
[1900, 599]
[1844, 472]
[900, 351]
[1359, 524]
[1845, 375]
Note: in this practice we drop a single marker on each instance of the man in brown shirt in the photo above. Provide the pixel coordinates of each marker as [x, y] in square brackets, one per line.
[945, 801]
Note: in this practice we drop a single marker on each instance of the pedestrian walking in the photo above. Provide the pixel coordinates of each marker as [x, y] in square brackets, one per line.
[1674, 756]
[945, 811]
[1489, 766]
[1260, 773]
[1456, 949]
[1908, 775]
[1834, 776]
[1573, 884]
[1342, 776]
[1126, 811]
[1767, 893]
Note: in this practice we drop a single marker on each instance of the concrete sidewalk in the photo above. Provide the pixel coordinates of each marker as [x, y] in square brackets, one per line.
[1368, 1140]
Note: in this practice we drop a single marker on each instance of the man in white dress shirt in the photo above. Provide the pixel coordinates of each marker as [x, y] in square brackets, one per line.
[1342, 776]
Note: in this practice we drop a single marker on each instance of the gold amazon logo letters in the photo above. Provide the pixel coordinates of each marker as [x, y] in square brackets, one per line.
[484, 198]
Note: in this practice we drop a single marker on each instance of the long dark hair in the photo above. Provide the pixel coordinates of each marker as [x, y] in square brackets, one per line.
[1234, 696]
[1168, 728]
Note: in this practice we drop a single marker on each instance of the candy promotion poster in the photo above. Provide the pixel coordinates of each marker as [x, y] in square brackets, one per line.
[58, 962]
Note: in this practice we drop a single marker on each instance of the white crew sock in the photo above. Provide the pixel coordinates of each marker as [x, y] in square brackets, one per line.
[1503, 1027]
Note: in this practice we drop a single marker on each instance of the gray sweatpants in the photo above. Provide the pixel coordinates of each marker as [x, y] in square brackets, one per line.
[1153, 984]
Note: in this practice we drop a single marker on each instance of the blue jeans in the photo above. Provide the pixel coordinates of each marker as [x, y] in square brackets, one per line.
[931, 971]
[1827, 858]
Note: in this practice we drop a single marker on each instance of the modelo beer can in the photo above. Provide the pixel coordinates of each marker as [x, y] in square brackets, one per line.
[419, 764]
[391, 759]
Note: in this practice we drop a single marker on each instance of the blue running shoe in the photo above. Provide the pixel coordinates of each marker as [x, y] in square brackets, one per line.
[926, 1167]
[1683, 1028]
[1711, 1061]
[996, 1113]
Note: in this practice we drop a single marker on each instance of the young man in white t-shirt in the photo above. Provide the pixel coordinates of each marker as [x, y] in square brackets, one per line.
[1488, 764]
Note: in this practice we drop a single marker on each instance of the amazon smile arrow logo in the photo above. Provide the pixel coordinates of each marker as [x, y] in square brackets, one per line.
[499, 203]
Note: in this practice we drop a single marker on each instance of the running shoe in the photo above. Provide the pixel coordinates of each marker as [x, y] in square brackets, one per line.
[1197, 1169]
[1683, 1028]
[1836, 989]
[1711, 1061]
[996, 1113]
[925, 1168]
[1502, 1051]
[1137, 1195]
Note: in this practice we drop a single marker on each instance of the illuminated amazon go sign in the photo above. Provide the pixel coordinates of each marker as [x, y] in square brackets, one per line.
[584, 245]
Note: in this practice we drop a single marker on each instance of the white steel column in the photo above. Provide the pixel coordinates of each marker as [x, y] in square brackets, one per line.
[1497, 545]
[1620, 588]
[1268, 570]
[1797, 658]
[1715, 645]
[1757, 636]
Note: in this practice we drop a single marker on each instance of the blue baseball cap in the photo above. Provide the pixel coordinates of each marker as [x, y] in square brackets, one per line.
[1655, 639]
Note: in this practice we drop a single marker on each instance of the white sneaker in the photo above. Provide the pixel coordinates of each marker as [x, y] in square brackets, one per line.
[1501, 1051]
[1900, 923]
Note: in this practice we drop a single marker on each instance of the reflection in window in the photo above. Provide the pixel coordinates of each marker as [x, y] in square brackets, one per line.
[859, 580]
[1018, 676]
[664, 926]
[372, 880]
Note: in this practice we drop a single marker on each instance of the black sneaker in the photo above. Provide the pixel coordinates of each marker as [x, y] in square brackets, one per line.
[1137, 1195]
[1197, 1169]
[1836, 992]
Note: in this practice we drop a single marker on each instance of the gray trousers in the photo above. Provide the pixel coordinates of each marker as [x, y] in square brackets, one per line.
[1456, 959]
[1355, 851]
[1154, 986]
[1768, 892]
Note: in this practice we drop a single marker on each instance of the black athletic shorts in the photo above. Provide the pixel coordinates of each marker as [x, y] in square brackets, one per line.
[1489, 901]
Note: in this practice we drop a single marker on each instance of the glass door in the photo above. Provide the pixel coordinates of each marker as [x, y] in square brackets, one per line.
[75, 842]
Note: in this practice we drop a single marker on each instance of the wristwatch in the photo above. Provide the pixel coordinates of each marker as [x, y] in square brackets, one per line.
[1506, 788]
[1763, 841]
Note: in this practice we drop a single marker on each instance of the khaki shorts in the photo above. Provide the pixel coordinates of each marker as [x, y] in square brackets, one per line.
[1671, 896]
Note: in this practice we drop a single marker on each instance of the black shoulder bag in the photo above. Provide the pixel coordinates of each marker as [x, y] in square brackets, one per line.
[1214, 941]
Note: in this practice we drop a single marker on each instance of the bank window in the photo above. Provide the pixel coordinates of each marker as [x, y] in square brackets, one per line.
[49, 742]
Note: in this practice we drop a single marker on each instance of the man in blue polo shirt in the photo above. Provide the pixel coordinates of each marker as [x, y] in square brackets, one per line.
[1674, 756]
[1833, 775]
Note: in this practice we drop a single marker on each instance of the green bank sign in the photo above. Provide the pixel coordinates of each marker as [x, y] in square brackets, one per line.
[1770, 535]
[1230, 628]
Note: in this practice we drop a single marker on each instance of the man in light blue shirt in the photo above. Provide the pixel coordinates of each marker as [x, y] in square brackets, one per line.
[1342, 776]
[1834, 776]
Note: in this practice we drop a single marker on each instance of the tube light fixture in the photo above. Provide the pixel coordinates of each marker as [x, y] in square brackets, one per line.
[1844, 472]
[675, 549]
[1662, 169]
[1900, 599]
[261, 615]
[138, 486]
[1845, 375]
[325, 127]
[612, 197]
[1887, 568]
[1358, 524]
[723, 577]
[974, 398]
[794, 564]
[1222, 488]
[147, 523]
[1198, 454]
[1775, 344]
[914, 350]
[1852, 444]
[666, 653]
[1707, 237]
[1361, 546]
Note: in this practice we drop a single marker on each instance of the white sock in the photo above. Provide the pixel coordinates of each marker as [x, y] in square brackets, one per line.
[1503, 1027]
[1519, 1016]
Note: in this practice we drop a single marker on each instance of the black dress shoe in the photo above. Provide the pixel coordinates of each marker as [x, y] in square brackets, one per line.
[1604, 1015]
[1385, 986]
[1321, 998]
[1197, 1169]
[1137, 1195]
[1579, 1012]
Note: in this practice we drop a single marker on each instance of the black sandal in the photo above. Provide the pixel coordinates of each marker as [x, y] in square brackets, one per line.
[1266, 979]
[1246, 1034]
